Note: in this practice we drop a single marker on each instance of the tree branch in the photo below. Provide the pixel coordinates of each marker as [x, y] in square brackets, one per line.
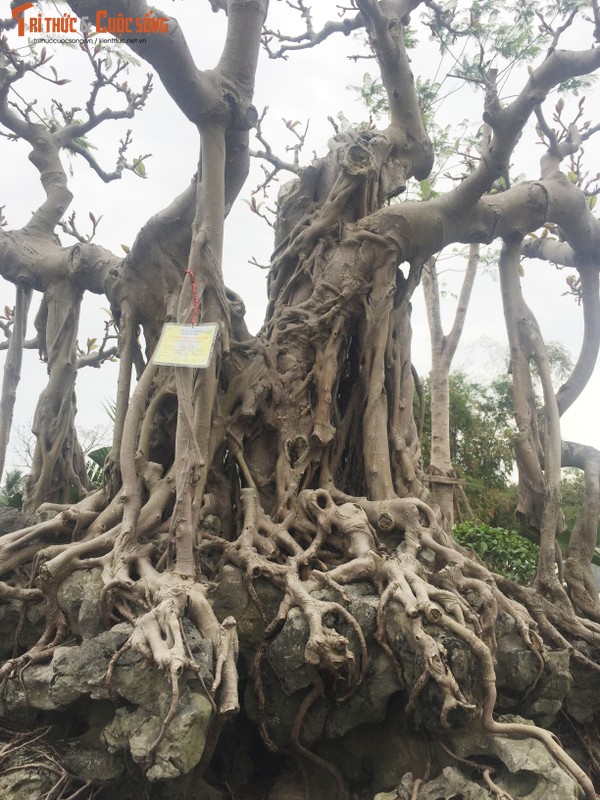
[507, 123]
[590, 343]
[453, 337]
[386, 35]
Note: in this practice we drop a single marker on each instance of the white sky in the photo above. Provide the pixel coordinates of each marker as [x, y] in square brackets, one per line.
[310, 85]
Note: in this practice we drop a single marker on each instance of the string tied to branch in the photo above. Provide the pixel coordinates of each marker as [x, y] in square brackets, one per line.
[195, 295]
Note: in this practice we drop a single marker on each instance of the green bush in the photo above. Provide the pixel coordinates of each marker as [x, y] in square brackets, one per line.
[502, 551]
[11, 492]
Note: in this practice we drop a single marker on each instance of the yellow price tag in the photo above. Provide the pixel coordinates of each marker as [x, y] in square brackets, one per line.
[186, 345]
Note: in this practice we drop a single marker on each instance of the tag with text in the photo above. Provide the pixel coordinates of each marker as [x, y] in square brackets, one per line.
[186, 345]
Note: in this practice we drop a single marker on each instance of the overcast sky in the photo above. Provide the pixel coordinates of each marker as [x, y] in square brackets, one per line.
[310, 85]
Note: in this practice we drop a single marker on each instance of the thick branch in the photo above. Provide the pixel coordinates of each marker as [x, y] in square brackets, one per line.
[386, 35]
[192, 89]
[507, 123]
[552, 250]
[590, 343]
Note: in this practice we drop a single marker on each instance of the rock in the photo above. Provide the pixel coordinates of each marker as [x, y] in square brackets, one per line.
[29, 620]
[530, 772]
[11, 519]
[448, 786]
[26, 784]
[381, 753]
[583, 699]
[79, 599]
[286, 653]
[91, 764]
[35, 686]
[517, 669]
[290, 785]
[231, 598]
[287, 679]
[74, 672]
[200, 648]
[546, 702]
[184, 740]
[77, 675]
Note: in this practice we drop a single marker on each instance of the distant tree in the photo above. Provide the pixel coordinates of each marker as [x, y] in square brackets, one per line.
[443, 348]
[481, 428]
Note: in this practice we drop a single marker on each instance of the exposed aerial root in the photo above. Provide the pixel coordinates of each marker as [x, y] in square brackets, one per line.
[27, 595]
[429, 590]
[158, 636]
[261, 701]
[175, 672]
[52, 637]
[313, 695]
[112, 664]
[515, 728]
[414, 795]
[486, 772]
[495, 790]
[225, 668]
[32, 752]
[460, 598]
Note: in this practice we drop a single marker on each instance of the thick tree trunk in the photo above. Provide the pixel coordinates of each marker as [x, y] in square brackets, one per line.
[12, 369]
[58, 473]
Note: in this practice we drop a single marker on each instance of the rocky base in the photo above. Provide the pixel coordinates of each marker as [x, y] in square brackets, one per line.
[68, 733]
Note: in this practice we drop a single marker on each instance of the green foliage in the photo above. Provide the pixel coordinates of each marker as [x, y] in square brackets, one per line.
[511, 31]
[480, 428]
[573, 494]
[492, 504]
[503, 551]
[373, 95]
[11, 492]
[428, 94]
[481, 431]
[575, 85]
[427, 190]
[561, 364]
[95, 464]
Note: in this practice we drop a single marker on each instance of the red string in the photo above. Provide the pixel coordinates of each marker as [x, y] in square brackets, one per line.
[195, 314]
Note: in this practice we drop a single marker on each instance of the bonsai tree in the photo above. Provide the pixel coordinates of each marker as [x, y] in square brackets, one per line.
[262, 584]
